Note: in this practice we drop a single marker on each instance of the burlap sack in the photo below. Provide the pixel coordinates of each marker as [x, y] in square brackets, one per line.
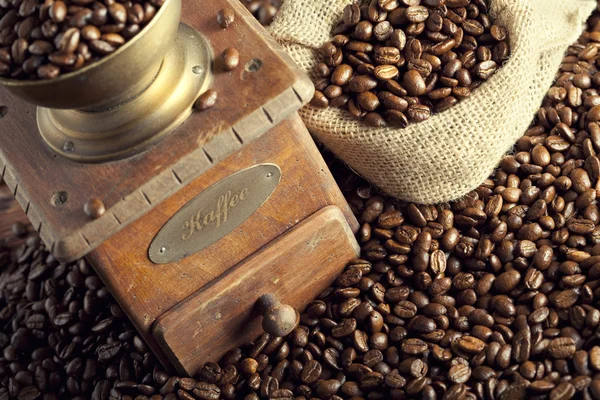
[452, 153]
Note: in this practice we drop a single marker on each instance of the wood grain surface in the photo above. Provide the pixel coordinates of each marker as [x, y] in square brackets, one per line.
[249, 104]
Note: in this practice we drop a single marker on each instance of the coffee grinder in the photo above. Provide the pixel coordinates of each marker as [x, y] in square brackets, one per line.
[206, 226]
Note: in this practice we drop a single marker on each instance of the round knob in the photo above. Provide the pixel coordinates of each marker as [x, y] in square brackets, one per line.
[278, 319]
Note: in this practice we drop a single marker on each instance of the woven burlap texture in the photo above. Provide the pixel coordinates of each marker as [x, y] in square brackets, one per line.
[453, 152]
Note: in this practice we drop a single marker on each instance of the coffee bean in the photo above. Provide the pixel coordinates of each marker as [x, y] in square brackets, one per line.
[225, 17]
[349, 278]
[118, 13]
[341, 75]
[101, 47]
[422, 324]
[566, 298]
[385, 72]
[361, 83]
[375, 120]
[470, 344]
[459, 373]
[319, 100]
[594, 356]
[414, 346]
[368, 101]
[311, 372]
[90, 32]
[563, 391]
[263, 11]
[57, 11]
[562, 347]
[231, 59]
[48, 71]
[29, 393]
[344, 328]
[507, 281]
[114, 39]
[206, 100]
[414, 83]
[207, 391]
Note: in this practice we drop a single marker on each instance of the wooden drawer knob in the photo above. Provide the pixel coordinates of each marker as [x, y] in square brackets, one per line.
[278, 319]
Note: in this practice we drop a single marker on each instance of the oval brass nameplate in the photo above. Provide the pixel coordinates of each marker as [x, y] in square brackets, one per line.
[214, 213]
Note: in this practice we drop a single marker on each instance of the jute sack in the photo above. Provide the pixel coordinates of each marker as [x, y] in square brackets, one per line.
[453, 152]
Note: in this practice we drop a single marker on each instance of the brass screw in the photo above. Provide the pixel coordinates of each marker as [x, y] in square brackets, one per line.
[94, 208]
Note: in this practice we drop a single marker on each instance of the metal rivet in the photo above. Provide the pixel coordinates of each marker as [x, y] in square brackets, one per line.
[270, 174]
[68, 147]
[198, 69]
[94, 208]
[162, 250]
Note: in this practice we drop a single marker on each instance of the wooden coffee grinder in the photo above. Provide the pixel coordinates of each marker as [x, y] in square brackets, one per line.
[198, 222]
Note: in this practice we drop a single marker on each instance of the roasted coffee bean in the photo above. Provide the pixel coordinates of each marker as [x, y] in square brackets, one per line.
[385, 72]
[225, 17]
[57, 11]
[375, 120]
[114, 39]
[414, 346]
[101, 47]
[562, 347]
[422, 324]
[207, 391]
[319, 100]
[48, 71]
[507, 281]
[367, 101]
[90, 32]
[459, 373]
[344, 328]
[361, 83]
[414, 83]
[469, 344]
[311, 372]
[231, 59]
[207, 100]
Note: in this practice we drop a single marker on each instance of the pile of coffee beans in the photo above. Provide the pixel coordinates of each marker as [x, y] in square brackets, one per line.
[43, 39]
[495, 296]
[263, 10]
[399, 61]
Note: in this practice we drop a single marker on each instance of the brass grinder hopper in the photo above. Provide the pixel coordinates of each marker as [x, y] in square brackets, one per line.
[122, 132]
[127, 101]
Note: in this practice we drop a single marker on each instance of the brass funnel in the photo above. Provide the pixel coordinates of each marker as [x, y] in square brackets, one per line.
[127, 101]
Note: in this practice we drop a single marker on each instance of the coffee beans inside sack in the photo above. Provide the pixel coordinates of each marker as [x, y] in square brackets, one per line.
[393, 63]
[420, 134]
[44, 39]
